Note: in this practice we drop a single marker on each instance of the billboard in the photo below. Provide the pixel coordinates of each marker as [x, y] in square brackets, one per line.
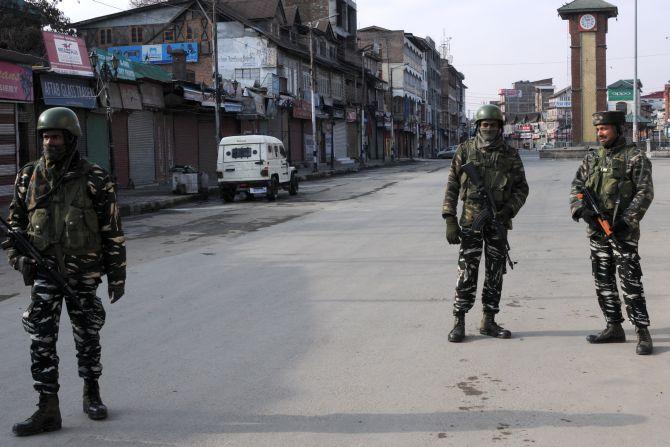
[158, 53]
[620, 94]
[67, 54]
[510, 93]
[16, 82]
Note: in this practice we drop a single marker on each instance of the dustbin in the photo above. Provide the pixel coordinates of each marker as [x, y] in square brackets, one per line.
[184, 179]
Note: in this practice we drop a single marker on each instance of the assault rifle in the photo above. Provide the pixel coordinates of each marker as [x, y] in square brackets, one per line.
[605, 225]
[489, 213]
[26, 248]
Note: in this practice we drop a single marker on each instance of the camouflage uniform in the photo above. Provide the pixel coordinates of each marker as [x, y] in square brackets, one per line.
[501, 168]
[93, 205]
[621, 180]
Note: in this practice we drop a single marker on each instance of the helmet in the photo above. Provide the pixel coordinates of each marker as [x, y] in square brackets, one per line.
[614, 117]
[489, 112]
[59, 118]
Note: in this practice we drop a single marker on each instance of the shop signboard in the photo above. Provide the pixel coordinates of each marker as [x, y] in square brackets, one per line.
[16, 82]
[69, 92]
[67, 54]
[620, 94]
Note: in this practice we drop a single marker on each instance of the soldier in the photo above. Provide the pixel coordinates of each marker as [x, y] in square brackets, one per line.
[68, 208]
[619, 177]
[500, 167]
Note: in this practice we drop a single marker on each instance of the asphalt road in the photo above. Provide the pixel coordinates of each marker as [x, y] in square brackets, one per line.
[322, 320]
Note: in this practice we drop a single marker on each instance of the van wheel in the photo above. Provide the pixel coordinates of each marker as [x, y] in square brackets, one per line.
[273, 189]
[293, 185]
[228, 194]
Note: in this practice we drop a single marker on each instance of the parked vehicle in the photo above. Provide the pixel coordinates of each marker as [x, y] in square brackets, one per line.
[446, 153]
[256, 165]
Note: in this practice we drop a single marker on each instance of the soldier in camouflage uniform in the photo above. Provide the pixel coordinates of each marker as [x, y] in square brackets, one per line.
[500, 166]
[619, 177]
[68, 208]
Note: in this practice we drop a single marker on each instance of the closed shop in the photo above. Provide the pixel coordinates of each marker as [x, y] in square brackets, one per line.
[120, 135]
[295, 140]
[352, 140]
[185, 139]
[207, 148]
[8, 152]
[141, 143]
[82, 142]
[230, 126]
[340, 139]
[163, 148]
[97, 142]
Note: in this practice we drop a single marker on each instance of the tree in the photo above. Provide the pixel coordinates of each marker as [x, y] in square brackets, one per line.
[22, 22]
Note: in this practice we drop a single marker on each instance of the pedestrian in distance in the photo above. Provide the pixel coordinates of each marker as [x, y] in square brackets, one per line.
[492, 194]
[611, 192]
[66, 207]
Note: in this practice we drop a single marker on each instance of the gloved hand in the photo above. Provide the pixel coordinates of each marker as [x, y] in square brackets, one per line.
[115, 292]
[505, 214]
[590, 217]
[621, 228]
[28, 269]
[453, 230]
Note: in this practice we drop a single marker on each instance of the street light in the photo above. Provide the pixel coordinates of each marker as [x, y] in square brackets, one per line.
[106, 74]
[311, 88]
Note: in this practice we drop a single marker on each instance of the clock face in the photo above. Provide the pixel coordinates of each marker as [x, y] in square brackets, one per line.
[587, 22]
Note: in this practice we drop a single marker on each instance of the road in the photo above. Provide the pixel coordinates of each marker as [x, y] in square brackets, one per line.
[321, 320]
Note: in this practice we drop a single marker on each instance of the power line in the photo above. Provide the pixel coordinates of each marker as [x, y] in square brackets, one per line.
[107, 4]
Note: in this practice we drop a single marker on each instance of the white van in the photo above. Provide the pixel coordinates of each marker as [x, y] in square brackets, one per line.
[254, 164]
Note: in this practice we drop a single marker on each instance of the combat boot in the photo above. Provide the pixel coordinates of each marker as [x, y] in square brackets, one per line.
[46, 418]
[93, 405]
[644, 344]
[457, 334]
[491, 328]
[613, 333]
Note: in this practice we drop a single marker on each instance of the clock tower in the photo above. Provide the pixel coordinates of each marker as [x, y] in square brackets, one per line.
[587, 22]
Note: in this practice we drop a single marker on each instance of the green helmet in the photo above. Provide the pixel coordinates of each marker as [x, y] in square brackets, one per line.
[615, 117]
[489, 112]
[59, 118]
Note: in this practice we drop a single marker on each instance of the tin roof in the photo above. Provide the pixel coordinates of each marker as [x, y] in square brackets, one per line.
[579, 6]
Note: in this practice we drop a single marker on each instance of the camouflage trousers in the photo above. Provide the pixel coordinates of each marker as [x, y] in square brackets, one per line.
[607, 258]
[41, 320]
[469, 257]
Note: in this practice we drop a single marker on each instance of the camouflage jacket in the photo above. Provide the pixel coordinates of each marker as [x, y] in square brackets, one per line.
[630, 187]
[500, 166]
[110, 259]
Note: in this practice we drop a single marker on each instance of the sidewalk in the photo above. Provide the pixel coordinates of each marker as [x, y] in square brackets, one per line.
[153, 198]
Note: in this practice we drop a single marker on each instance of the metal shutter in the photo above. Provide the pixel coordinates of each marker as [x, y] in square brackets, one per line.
[97, 141]
[207, 148]
[141, 152]
[340, 139]
[185, 140]
[82, 140]
[7, 151]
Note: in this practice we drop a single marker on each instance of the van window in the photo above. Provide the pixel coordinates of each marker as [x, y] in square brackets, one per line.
[275, 148]
[282, 151]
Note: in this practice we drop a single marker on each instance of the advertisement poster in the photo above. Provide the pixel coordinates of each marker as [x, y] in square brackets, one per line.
[16, 82]
[157, 54]
[67, 54]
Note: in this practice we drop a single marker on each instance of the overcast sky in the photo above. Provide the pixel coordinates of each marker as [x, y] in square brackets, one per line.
[497, 42]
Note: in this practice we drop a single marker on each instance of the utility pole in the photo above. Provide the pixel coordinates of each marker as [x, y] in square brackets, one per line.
[313, 108]
[363, 102]
[636, 97]
[217, 91]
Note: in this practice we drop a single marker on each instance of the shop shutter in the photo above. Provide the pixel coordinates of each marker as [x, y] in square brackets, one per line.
[296, 141]
[97, 141]
[207, 148]
[163, 159]
[340, 139]
[185, 139]
[8, 168]
[83, 140]
[120, 139]
[141, 147]
[353, 137]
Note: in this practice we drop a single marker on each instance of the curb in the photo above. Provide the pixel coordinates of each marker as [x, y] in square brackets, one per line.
[152, 205]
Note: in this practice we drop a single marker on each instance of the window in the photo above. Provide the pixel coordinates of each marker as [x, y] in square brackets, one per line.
[136, 34]
[105, 36]
[168, 35]
[248, 73]
[282, 151]
[189, 33]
